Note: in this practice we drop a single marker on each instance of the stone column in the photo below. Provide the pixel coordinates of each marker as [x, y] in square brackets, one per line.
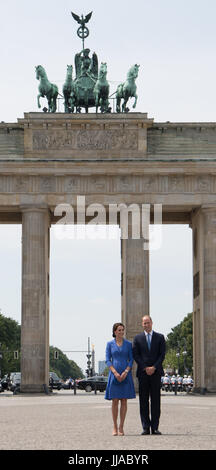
[35, 299]
[134, 287]
[134, 283]
[204, 293]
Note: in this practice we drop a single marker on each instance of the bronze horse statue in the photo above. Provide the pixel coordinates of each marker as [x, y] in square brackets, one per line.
[101, 90]
[127, 90]
[46, 89]
[69, 91]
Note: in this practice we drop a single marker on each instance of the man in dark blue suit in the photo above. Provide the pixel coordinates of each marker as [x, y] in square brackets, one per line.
[149, 353]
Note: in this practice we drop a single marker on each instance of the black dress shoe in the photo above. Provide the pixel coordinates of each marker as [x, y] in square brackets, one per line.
[156, 431]
[145, 432]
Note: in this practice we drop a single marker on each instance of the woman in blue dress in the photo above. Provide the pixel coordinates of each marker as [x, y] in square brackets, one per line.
[120, 384]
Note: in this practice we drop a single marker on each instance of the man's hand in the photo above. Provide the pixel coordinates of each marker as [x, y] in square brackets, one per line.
[150, 370]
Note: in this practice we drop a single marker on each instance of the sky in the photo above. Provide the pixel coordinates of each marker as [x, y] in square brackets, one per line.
[174, 44]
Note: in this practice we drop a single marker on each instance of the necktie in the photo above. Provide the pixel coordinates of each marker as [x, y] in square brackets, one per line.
[149, 340]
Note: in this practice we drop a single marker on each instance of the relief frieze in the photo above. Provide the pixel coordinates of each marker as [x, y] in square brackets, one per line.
[149, 184]
[48, 184]
[71, 184]
[97, 184]
[204, 184]
[176, 183]
[21, 184]
[55, 140]
[110, 139]
[108, 184]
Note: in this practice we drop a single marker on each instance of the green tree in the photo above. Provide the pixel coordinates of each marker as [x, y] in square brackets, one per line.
[10, 340]
[106, 371]
[10, 334]
[179, 340]
[63, 366]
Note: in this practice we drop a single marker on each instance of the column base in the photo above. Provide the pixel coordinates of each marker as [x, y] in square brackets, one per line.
[203, 390]
[34, 388]
[200, 390]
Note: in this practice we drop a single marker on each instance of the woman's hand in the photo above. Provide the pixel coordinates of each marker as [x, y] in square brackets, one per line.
[115, 373]
[124, 375]
[118, 376]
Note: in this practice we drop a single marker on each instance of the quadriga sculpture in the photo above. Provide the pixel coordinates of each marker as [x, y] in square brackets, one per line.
[90, 87]
[127, 90]
[46, 89]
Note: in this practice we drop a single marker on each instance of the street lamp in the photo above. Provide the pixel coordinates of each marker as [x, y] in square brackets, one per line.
[93, 360]
[88, 370]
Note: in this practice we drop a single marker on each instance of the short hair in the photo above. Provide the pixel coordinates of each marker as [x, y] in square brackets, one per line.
[147, 315]
[115, 326]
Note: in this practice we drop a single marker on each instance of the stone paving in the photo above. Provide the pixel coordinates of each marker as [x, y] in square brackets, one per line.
[63, 421]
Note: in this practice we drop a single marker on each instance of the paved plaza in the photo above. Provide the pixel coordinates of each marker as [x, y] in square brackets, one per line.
[64, 421]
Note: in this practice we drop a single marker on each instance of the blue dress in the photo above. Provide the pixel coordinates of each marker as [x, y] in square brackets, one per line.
[119, 357]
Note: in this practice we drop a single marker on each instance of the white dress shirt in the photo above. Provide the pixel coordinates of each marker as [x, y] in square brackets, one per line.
[146, 335]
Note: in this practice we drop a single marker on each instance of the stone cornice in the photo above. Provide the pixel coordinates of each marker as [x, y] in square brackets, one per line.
[23, 167]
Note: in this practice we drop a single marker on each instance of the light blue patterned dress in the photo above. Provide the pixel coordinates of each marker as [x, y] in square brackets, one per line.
[119, 357]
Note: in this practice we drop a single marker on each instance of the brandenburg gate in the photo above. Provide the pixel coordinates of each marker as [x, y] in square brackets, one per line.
[47, 159]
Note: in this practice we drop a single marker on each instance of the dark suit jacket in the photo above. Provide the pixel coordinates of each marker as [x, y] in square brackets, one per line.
[144, 357]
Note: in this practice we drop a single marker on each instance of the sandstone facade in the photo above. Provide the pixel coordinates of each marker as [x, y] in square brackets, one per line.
[49, 159]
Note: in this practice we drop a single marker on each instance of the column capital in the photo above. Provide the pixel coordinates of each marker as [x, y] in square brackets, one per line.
[208, 207]
[203, 210]
[37, 208]
[34, 207]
